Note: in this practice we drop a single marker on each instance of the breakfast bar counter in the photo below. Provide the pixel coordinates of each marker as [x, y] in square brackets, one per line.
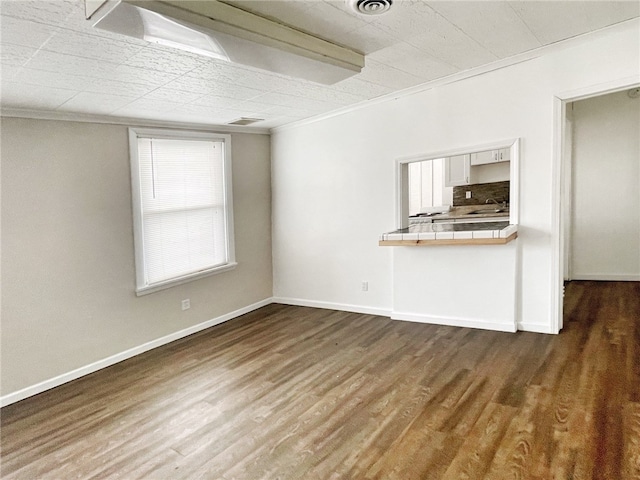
[476, 233]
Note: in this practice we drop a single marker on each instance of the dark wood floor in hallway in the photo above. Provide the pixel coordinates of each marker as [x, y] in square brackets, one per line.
[299, 393]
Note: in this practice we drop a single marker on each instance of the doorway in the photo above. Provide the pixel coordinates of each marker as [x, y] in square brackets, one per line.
[563, 176]
[604, 188]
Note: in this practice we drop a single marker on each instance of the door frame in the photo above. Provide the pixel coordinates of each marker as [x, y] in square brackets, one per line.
[561, 185]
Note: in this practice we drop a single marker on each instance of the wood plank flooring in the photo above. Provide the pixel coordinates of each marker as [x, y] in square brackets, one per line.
[299, 393]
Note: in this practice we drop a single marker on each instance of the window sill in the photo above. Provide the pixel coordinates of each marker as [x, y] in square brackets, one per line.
[187, 278]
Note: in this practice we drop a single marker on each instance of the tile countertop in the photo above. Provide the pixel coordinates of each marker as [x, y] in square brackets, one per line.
[465, 212]
[478, 233]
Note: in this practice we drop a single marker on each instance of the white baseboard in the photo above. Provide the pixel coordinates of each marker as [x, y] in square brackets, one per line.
[454, 322]
[132, 352]
[411, 317]
[332, 306]
[106, 362]
[535, 328]
[623, 277]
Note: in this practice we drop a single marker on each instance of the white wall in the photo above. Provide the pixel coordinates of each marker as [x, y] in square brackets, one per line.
[606, 188]
[68, 275]
[333, 184]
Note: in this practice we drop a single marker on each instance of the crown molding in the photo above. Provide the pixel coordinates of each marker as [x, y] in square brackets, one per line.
[126, 121]
[457, 77]
[481, 70]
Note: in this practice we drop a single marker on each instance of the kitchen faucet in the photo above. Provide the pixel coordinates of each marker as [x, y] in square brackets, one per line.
[504, 204]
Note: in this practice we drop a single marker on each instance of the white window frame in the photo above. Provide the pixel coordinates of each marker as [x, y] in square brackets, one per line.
[142, 287]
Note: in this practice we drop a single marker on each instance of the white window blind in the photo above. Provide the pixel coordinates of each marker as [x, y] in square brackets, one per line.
[183, 225]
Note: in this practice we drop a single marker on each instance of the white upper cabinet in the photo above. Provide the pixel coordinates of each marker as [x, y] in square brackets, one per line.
[457, 170]
[504, 155]
[491, 156]
[482, 158]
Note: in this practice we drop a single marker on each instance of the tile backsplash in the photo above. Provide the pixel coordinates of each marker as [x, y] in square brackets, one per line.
[480, 192]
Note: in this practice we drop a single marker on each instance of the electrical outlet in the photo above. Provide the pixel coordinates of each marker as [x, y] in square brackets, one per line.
[468, 194]
[186, 304]
[365, 286]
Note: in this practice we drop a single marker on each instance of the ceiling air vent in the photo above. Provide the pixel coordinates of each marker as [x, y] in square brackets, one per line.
[245, 121]
[370, 7]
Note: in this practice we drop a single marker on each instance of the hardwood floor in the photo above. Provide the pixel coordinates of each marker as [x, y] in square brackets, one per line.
[299, 393]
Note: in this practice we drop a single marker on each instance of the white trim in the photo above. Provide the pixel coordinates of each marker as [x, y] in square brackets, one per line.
[566, 178]
[455, 321]
[402, 204]
[607, 277]
[132, 352]
[127, 121]
[557, 254]
[456, 77]
[439, 82]
[468, 149]
[142, 287]
[590, 91]
[136, 208]
[514, 183]
[535, 328]
[557, 198]
[156, 287]
[473, 72]
[299, 302]
[119, 357]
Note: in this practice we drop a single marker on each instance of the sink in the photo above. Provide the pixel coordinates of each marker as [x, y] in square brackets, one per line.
[488, 210]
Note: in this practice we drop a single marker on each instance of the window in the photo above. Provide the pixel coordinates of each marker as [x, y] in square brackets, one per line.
[183, 220]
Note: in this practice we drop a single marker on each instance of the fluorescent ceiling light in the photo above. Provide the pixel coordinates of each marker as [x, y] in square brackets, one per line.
[164, 31]
[222, 31]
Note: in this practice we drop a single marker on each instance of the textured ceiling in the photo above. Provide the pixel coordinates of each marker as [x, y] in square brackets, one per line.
[53, 60]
